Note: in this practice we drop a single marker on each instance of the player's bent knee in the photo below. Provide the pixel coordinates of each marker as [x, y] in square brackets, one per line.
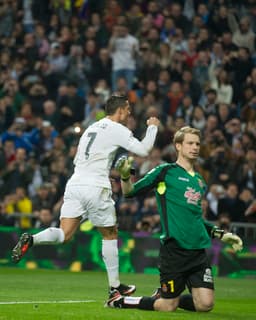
[204, 306]
[167, 305]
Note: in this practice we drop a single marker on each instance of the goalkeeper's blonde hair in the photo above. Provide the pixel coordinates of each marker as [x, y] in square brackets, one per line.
[180, 134]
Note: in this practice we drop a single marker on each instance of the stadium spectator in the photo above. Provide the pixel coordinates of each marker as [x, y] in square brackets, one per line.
[180, 20]
[18, 171]
[163, 83]
[244, 35]
[246, 175]
[20, 205]
[71, 106]
[191, 86]
[42, 137]
[45, 219]
[128, 214]
[198, 119]
[149, 67]
[5, 218]
[164, 55]
[219, 81]
[149, 219]
[208, 101]
[231, 204]
[7, 114]
[10, 87]
[102, 67]
[200, 69]
[102, 89]
[173, 99]
[57, 60]
[123, 48]
[207, 213]
[153, 160]
[191, 52]
[92, 109]
[185, 109]
[250, 212]
[76, 69]
[215, 192]
[220, 20]
[42, 40]
[42, 198]
[51, 114]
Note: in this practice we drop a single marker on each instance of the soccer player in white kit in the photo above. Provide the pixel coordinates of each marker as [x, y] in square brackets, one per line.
[88, 192]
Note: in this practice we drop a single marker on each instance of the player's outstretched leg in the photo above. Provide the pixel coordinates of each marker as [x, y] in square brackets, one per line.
[24, 243]
[116, 300]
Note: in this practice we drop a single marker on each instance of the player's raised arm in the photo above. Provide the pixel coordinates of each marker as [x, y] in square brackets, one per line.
[143, 147]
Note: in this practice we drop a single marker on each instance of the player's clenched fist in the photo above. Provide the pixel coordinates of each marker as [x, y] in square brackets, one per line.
[153, 121]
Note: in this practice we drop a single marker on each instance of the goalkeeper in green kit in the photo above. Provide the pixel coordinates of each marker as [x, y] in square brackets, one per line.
[185, 235]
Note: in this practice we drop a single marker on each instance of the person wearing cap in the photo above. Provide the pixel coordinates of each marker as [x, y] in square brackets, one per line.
[56, 59]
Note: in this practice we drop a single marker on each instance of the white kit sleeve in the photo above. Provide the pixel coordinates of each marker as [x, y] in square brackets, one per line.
[143, 147]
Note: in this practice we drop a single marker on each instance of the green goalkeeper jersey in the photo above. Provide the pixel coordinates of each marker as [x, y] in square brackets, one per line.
[179, 196]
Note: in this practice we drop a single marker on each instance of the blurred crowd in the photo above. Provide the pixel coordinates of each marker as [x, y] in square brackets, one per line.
[188, 62]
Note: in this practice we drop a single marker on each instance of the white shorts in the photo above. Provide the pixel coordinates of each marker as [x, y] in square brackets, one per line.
[88, 202]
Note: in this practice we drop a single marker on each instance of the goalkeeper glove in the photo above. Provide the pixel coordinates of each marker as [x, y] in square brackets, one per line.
[234, 240]
[124, 166]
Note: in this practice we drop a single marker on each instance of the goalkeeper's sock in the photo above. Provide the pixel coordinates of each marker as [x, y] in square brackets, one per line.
[110, 257]
[143, 303]
[49, 236]
[186, 302]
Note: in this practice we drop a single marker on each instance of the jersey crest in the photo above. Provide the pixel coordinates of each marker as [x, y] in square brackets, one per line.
[200, 182]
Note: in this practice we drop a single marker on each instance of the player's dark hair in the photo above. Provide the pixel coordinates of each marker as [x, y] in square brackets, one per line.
[114, 102]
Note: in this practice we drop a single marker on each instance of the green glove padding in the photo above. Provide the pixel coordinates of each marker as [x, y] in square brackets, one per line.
[123, 166]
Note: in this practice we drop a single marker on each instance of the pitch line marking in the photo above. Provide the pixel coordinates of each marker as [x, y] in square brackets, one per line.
[45, 302]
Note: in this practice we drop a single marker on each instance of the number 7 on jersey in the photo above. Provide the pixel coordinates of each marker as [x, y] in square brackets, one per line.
[91, 136]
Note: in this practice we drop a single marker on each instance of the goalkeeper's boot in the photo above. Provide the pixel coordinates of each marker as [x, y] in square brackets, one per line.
[124, 290]
[24, 243]
[115, 299]
[156, 294]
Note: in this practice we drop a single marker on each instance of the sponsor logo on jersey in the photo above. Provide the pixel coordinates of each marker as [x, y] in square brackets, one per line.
[192, 195]
[183, 179]
[208, 275]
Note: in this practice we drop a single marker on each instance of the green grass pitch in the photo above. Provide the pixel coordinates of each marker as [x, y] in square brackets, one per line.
[23, 292]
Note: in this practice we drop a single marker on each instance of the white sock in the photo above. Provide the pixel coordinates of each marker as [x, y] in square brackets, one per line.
[49, 236]
[110, 257]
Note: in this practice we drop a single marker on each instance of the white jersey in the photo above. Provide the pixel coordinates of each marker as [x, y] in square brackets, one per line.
[97, 149]
[123, 55]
